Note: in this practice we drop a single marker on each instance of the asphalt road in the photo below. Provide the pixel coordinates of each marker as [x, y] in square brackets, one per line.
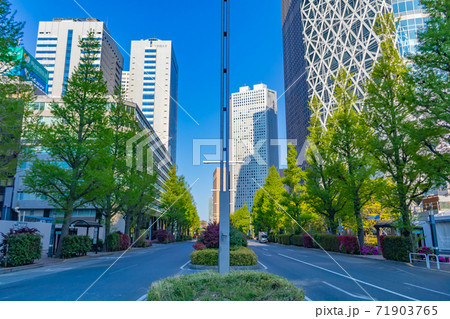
[340, 277]
[128, 279]
[319, 274]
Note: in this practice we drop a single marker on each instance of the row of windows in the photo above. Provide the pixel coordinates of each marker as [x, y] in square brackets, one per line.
[47, 39]
[149, 89]
[150, 56]
[150, 50]
[147, 110]
[46, 45]
[148, 96]
[401, 7]
[147, 67]
[45, 52]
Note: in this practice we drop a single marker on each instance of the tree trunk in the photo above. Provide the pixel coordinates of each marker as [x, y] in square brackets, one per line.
[127, 223]
[65, 228]
[359, 221]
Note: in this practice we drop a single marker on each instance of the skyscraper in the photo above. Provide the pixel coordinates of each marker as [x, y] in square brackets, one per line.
[330, 35]
[57, 49]
[153, 85]
[322, 36]
[413, 20]
[125, 84]
[253, 118]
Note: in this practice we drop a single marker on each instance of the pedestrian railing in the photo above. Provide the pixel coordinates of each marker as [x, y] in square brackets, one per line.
[428, 259]
[423, 259]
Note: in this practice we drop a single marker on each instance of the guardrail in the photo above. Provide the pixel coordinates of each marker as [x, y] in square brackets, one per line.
[425, 259]
[428, 259]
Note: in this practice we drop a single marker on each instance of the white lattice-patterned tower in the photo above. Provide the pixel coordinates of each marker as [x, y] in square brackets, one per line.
[339, 34]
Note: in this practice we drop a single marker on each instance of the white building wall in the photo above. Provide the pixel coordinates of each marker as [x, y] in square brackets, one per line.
[253, 124]
[60, 54]
[153, 85]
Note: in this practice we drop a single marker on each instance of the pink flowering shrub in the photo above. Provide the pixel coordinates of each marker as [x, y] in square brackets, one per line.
[425, 250]
[348, 244]
[444, 259]
[369, 250]
[199, 246]
[307, 241]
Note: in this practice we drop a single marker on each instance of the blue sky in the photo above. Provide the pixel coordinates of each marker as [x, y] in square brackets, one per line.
[194, 28]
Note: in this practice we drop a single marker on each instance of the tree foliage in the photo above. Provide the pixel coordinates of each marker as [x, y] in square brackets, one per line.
[72, 151]
[241, 219]
[399, 157]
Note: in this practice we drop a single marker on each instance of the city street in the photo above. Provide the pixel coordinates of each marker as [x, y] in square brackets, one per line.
[312, 269]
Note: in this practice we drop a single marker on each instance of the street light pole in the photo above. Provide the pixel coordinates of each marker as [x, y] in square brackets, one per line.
[224, 205]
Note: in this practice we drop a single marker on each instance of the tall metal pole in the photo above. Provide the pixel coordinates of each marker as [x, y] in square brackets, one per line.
[224, 205]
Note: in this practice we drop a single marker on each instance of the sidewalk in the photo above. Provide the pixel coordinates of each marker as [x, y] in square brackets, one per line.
[47, 261]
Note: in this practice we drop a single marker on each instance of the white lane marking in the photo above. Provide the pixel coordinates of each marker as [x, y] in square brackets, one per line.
[142, 298]
[265, 267]
[57, 269]
[307, 299]
[267, 255]
[428, 289]
[346, 292]
[182, 267]
[265, 249]
[354, 279]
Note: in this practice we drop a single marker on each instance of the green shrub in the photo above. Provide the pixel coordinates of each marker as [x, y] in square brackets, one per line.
[271, 238]
[284, 239]
[112, 242]
[297, 240]
[396, 248]
[234, 286]
[241, 256]
[23, 248]
[237, 238]
[328, 242]
[76, 246]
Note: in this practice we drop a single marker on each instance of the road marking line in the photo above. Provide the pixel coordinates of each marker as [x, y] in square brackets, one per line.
[435, 291]
[354, 279]
[182, 267]
[142, 298]
[346, 292]
[265, 249]
[307, 299]
[265, 267]
[269, 255]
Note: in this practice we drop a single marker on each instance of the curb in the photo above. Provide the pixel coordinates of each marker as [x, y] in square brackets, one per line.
[236, 268]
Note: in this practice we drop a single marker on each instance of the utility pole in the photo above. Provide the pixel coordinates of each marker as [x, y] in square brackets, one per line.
[224, 205]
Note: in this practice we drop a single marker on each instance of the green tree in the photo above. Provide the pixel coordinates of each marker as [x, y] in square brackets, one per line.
[241, 219]
[267, 209]
[122, 126]
[10, 36]
[70, 170]
[323, 191]
[15, 95]
[349, 137]
[388, 105]
[431, 78]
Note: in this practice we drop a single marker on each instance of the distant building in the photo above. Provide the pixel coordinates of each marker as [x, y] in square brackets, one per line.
[57, 49]
[203, 224]
[253, 131]
[153, 86]
[216, 194]
[210, 209]
[125, 84]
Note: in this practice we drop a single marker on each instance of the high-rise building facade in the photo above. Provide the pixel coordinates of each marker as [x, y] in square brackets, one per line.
[253, 149]
[57, 49]
[153, 85]
[295, 76]
[322, 36]
[413, 19]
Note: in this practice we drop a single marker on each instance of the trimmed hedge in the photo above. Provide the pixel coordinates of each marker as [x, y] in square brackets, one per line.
[396, 248]
[234, 286]
[242, 256]
[76, 246]
[297, 240]
[284, 239]
[328, 242]
[23, 248]
[112, 242]
[308, 241]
